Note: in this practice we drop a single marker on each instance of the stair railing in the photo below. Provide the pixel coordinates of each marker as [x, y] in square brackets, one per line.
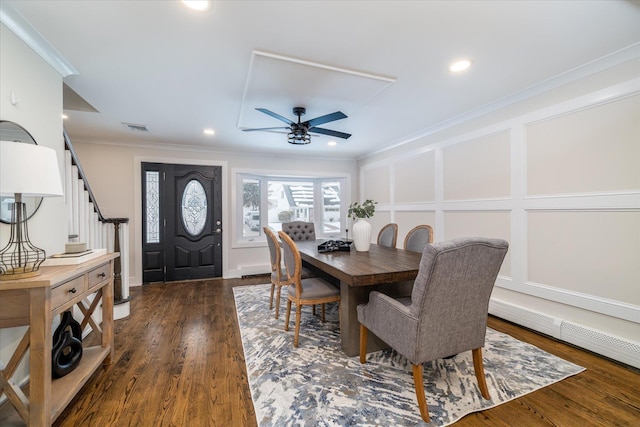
[87, 223]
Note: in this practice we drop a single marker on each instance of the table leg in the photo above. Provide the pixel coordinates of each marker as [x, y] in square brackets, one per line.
[350, 297]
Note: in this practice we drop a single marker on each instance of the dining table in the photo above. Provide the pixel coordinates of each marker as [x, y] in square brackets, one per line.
[381, 268]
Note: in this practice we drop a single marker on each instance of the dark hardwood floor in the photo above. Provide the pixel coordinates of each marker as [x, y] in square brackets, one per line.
[179, 362]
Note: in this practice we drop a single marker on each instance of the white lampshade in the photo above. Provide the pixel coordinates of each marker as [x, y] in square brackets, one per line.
[30, 170]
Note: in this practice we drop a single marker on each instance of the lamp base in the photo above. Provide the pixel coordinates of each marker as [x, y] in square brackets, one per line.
[20, 258]
[18, 276]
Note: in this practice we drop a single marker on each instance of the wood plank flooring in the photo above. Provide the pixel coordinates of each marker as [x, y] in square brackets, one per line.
[179, 362]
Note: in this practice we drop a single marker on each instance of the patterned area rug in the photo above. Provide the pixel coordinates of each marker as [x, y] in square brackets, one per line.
[318, 385]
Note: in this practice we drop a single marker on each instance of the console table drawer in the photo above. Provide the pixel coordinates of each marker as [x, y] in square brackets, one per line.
[67, 291]
[99, 274]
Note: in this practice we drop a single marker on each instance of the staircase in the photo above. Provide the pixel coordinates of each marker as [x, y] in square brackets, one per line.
[88, 225]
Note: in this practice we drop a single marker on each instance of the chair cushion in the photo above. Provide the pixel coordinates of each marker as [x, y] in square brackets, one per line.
[315, 288]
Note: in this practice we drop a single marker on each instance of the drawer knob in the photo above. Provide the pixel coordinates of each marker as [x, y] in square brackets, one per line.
[72, 291]
[103, 275]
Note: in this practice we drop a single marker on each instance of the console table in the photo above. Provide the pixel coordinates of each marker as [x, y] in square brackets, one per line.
[34, 302]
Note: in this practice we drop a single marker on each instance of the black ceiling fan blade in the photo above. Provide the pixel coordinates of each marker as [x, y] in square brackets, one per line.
[330, 132]
[326, 119]
[277, 128]
[274, 115]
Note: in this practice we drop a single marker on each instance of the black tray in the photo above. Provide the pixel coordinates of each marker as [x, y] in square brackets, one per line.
[335, 246]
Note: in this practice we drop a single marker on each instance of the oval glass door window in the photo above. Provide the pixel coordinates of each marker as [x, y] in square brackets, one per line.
[194, 207]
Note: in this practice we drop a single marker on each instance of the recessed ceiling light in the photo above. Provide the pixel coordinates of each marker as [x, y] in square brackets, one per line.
[459, 66]
[64, 116]
[332, 143]
[209, 131]
[199, 5]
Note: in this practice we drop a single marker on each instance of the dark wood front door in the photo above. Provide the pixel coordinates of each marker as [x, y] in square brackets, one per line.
[182, 222]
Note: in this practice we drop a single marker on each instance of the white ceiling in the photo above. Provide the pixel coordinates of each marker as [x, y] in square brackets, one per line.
[382, 63]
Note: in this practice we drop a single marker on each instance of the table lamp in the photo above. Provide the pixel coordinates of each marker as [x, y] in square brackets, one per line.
[25, 170]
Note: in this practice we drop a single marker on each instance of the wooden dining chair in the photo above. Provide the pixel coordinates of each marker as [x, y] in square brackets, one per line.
[418, 237]
[301, 292]
[278, 275]
[388, 235]
[446, 313]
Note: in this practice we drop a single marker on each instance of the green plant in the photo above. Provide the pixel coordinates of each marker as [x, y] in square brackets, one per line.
[364, 210]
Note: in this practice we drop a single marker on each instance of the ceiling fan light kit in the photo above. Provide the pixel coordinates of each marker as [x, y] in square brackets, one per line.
[298, 138]
[299, 132]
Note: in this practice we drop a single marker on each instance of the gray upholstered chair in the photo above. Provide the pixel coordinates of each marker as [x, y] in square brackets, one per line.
[447, 311]
[388, 235]
[418, 237]
[299, 230]
[301, 291]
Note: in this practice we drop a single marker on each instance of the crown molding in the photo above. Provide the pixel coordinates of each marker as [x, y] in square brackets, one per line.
[15, 22]
[613, 59]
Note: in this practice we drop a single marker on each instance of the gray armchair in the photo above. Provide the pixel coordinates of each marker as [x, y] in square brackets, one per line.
[447, 311]
[299, 230]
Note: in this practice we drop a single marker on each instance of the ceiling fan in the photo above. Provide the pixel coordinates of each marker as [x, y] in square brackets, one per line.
[299, 132]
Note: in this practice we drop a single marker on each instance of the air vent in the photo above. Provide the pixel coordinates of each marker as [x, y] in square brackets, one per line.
[136, 128]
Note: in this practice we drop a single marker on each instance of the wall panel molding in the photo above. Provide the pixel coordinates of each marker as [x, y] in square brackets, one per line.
[613, 201]
[617, 309]
[574, 291]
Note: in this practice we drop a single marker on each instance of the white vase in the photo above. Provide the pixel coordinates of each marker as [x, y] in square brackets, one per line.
[361, 235]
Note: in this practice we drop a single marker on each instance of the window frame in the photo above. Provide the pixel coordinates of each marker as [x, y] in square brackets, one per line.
[264, 178]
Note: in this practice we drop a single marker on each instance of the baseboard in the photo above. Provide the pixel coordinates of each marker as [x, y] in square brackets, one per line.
[600, 342]
[252, 270]
[540, 322]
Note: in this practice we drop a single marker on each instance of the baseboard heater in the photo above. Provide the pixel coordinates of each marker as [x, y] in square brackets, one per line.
[616, 348]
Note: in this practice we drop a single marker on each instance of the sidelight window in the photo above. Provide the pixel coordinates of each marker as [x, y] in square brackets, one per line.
[152, 179]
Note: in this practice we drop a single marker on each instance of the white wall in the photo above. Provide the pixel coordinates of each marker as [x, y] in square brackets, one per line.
[38, 88]
[557, 176]
[114, 174]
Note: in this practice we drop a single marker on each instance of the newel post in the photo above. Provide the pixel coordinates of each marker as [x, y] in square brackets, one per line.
[117, 263]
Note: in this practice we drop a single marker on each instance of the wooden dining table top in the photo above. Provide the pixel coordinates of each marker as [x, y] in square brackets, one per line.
[379, 265]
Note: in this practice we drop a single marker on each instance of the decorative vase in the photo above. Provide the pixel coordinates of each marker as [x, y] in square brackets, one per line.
[66, 351]
[361, 235]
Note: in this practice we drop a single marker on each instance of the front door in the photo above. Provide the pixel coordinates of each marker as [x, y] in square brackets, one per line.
[182, 224]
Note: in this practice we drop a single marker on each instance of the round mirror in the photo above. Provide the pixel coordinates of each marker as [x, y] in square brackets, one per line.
[10, 131]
